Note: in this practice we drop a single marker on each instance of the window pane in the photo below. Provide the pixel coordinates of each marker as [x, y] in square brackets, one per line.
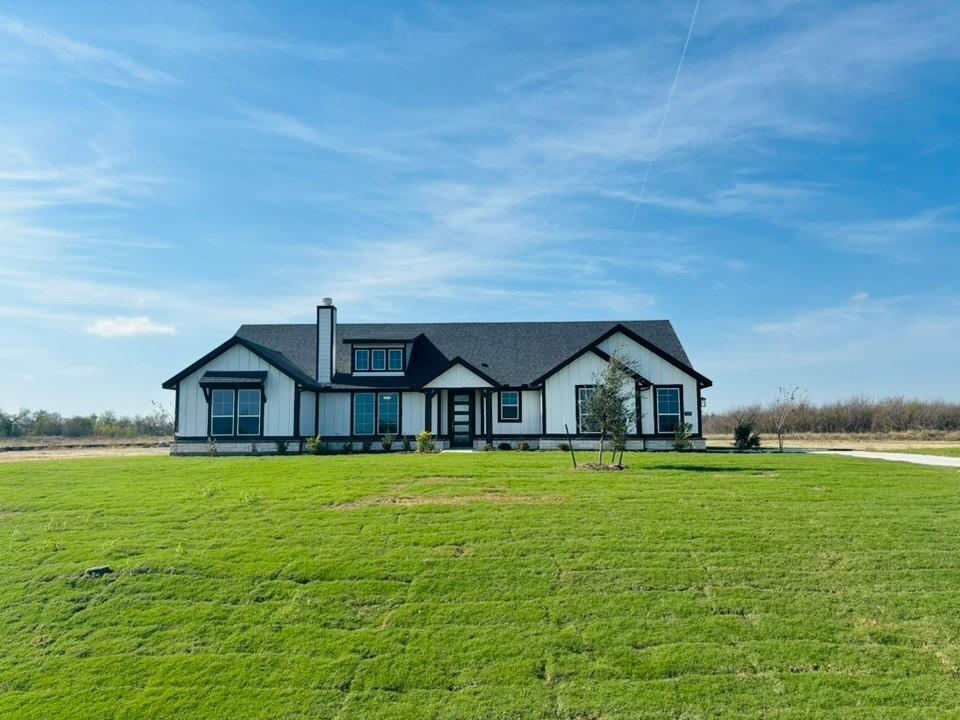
[587, 425]
[222, 402]
[361, 360]
[248, 402]
[389, 416]
[221, 426]
[248, 425]
[396, 359]
[363, 414]
[379, 359]
[509, 412]
[668, 423]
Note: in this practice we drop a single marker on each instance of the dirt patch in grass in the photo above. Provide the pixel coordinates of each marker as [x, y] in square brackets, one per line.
[416, 501]
[605, 467]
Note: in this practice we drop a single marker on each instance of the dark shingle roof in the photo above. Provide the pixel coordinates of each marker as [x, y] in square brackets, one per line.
[512, 353]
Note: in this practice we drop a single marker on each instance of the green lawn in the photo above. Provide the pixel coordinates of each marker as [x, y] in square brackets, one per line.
[480, 586]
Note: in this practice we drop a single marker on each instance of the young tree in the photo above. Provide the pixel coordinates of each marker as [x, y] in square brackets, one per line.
[611, 406]
[783, 407]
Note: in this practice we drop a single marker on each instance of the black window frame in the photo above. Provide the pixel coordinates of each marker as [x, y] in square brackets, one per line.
[353, 415]
[356, 365]
[235, 417]
[376, 413]
[380, 397]
[576, 400]
[371, 351]
[657, 415]
[519, 406]
[390, 355]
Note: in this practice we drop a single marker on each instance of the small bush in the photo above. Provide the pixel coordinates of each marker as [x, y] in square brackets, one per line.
[745, 437]
[425, 442]
[315, 446]
[366, 445]
[488, 447]
[504, 446]
[523, 445]
[347, 448]
[563, 446]
[386, 442]
[254, 450]
[282, 447]
[406, 444]
[212, 447]
[681, 436]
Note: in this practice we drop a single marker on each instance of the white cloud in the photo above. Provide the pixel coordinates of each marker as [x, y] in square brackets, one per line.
[120, 326]
[100, 64]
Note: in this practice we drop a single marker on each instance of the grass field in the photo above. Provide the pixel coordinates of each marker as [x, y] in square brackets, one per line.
[495, 585]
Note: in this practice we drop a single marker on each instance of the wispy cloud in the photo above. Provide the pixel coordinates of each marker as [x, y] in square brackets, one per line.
[95, 63]
[128, 327]
[893, 237]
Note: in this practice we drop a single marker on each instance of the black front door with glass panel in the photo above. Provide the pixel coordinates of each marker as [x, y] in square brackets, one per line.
[461, 418]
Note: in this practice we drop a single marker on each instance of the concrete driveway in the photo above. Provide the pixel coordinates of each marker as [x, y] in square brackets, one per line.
[937, 460]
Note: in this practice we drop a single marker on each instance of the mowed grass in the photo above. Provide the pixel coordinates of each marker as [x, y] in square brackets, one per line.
[496, 585]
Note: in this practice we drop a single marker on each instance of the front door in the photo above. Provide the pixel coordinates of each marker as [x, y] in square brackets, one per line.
[461, 418]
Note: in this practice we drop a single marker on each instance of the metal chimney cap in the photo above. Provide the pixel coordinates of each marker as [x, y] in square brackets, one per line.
[326, 302]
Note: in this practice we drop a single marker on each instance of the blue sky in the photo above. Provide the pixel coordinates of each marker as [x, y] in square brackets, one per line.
[169, 171]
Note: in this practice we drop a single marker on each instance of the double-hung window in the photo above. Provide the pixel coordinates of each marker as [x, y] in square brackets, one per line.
[510, 406]
[668, 409]
[248, 412]
[388, 413]
[379, 358]
[585, 423]
[221, 412]
[361, 359]
[364, 413]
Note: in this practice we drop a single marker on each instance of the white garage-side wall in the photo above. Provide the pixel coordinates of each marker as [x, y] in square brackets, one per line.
[279, 390]
[530, 415]
[308, 413]
[659, 372]
[334, 414]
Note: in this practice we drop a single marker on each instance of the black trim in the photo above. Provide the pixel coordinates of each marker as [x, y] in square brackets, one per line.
[656, 408]
[519, 417]
[235, 435]
[619, 327]
[460, 361]
[354, 370]
[471, 394]
[296, 411]
[576, 408]
[176, 412]
[263, 353]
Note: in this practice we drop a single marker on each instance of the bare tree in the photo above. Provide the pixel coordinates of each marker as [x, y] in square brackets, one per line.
[788, 399]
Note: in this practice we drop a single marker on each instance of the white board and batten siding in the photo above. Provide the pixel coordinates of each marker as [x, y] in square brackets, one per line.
[530, 415]
[334, 414]
[412, 411]
[561, 386]
[279, 389]
[659, 372]
[458, 377]
[308, 413]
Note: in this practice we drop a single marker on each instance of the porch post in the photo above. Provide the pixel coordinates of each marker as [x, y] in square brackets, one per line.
[428, 410]
[489, 428]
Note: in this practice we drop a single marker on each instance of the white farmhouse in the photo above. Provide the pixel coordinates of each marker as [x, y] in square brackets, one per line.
[468, 383]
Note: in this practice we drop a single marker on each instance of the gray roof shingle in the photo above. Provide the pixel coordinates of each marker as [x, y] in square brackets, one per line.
[514, 354]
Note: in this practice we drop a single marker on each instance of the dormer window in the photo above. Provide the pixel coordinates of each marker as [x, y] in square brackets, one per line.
[379, 359]
[361, 360]
[395, 359]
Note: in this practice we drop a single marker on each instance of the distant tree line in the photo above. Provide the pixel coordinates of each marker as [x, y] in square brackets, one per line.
[43, 423]
[853, 415]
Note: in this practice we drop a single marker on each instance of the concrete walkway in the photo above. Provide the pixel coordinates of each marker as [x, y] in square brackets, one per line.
[938, 460]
